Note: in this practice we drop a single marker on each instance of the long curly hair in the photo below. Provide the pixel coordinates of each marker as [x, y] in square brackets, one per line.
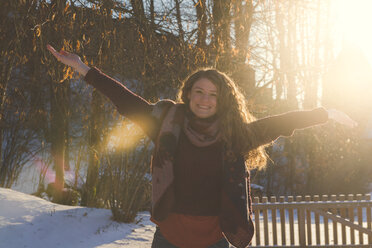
[233, 116]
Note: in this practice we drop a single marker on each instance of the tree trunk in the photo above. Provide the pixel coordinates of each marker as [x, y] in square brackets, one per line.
[58, 136]
[221, 31]
[179, 20]
[139, 12]
[152, 15]
[201, 16]
[311, 93]
[282, 53]
[58, 120]
[292, 56]
[243, 23]
[6, 69]
[244, 75]
[95, 130]
[89, 197]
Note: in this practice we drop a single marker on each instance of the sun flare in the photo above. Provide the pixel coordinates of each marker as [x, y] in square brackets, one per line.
[353, 23]
[124, 135]
[347, 84]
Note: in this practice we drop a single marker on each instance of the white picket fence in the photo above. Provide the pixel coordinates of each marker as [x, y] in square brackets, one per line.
[335, 221]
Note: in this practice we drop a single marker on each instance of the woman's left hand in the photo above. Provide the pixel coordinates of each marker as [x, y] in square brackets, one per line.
[341, 118]
[70, 59]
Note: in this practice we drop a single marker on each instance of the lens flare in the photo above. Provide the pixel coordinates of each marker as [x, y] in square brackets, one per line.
[44, 169]
[124, 135]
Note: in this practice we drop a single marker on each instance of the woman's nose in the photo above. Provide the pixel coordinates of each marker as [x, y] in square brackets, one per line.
[205, 98]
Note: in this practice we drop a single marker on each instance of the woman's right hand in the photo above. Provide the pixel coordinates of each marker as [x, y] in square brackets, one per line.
[70, 59]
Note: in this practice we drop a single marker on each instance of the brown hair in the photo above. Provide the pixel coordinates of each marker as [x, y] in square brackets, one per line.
[233, 115]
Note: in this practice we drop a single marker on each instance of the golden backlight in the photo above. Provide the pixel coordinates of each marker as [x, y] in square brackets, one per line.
[347, 84]
[354, 23]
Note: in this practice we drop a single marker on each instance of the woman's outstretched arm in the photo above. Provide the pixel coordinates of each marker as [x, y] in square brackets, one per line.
[127, 103]
[270, 128]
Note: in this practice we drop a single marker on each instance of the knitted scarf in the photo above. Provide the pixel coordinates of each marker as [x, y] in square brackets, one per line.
[236, 205]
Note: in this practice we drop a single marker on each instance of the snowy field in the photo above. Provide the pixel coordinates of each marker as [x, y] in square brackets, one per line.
[27, 221]
[30, 222]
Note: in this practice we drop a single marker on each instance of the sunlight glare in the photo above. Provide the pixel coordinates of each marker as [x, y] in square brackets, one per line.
[354, 19]
[124, 135]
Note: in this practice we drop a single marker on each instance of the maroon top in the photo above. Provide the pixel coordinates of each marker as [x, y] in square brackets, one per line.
[198, 177]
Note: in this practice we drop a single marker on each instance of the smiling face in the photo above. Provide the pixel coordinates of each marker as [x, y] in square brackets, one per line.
[203, 98]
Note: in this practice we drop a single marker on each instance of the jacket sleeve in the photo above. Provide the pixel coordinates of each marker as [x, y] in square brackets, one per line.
[270, 128]
[127, 103]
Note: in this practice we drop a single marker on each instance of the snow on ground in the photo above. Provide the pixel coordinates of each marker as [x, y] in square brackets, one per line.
[28, 221]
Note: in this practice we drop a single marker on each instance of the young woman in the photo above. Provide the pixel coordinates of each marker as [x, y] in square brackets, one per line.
[204, 145]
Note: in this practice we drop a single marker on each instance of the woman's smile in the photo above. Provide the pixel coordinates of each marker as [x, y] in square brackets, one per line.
[203, 98]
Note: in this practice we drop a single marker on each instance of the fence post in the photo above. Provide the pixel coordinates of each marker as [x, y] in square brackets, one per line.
[308, 221]
[368, 210]
[325, 221]
[317, 222]
[334, 211]
[301, 223]
[350, 197]
[257, 222]
[343, 215]
[266, 222]
[291, 220]
[360, 218]
[273, 221]
[282, 222]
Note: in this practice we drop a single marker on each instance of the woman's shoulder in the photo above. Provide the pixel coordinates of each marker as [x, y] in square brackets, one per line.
[162, 106]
